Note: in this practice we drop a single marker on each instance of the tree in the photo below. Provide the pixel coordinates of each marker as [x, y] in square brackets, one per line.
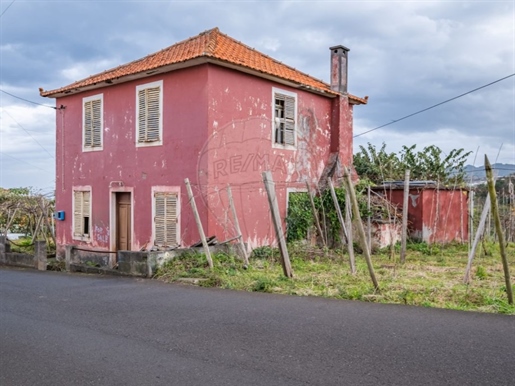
[429, 164]
[24, 211]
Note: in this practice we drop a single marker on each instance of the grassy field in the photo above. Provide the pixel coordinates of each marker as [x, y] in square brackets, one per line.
[431, 277]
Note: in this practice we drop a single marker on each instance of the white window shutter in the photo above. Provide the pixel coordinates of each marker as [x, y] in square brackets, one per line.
[165, 220]
[93, 123]
[149, 114]
[284, 119]
[77, 213]
[88, 123]
[289, 120]
[96, 118]
[171, 219]
[159, 219]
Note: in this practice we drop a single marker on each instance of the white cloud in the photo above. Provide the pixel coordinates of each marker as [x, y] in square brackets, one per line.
[82, 70]
[405, 55]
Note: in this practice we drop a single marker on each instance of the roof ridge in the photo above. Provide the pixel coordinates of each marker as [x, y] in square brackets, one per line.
[212, 40]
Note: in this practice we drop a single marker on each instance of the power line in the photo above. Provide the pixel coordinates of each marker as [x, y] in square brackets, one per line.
[30, 135]
[432, 107]
[20, 160]
[26, 100]
[9, 6]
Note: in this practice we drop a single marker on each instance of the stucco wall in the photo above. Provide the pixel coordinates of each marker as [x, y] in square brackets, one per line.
[240, 147]
[217, 131]
[121, 166]
[436, 216]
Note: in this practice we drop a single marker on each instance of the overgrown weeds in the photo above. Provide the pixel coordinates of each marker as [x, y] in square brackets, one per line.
[431, 277]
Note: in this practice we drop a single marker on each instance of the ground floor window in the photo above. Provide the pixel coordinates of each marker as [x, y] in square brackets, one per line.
[82, 214]
[165, 219]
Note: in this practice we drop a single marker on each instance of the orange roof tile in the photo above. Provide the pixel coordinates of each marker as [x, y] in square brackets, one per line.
[211, 44]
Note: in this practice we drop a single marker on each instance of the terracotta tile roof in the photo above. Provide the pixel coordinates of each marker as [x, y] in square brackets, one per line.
[209, 44]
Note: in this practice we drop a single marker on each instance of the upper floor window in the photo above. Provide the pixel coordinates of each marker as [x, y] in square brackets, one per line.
[149, 114]
[92, 122]
[284, 113]
[82, 213]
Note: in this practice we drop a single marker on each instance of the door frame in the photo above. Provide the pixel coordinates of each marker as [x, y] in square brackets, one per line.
[112, 219]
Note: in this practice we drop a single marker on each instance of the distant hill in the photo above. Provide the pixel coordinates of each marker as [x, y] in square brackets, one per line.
[477, 173]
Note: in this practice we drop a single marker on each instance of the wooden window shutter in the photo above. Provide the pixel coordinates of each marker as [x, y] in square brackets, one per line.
[86, 208]
[284, 119]
[93, 123]
[77, 213]
[165, 219]
[88, 124]
[149, 114]
[171, 219]
[96, 118]
[81, 210]
[289, 120]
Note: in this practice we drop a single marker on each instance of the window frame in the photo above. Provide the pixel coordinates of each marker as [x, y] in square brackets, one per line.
[82, 215]
[167, 191]
[140, 88]
[99, 97]
[275, 120]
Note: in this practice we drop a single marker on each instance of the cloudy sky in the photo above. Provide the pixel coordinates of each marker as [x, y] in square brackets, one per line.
[405, 55]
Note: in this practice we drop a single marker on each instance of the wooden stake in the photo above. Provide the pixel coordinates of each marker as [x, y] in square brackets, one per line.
[237, 226]
[471, 215]
[479, 232]
[405, 207]
[498, 227]
[315, 216]
[199, 223]
[348, 224]
[359, 224]
[350, 246]
[276, 219]
[369, 221]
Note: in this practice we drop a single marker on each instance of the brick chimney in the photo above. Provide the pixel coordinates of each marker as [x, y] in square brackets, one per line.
[339, 56]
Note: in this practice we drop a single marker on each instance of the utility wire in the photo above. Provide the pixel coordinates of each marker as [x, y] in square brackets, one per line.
[9, 6]
[30, 135]
[26, 100]
[432, 107]
[20, 160]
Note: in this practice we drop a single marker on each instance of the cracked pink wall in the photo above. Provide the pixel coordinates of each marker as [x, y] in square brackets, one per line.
[216, 131]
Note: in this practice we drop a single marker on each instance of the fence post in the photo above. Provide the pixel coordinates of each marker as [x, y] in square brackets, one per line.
[369, 221]
[68, 256]
[237, 226]
[405, 207]
[498, 227]
[361, 231]
[276, 219]
[315, 215]
[479, 232]
[40, 259]
[350, 243]
[199, 223]
[4, 248]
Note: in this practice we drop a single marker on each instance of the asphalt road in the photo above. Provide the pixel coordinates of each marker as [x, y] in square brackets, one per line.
[71, 329]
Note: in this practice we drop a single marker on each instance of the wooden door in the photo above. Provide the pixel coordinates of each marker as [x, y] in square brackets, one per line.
[123, 221]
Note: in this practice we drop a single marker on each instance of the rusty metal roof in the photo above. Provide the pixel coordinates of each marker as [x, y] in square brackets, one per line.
[211, 46]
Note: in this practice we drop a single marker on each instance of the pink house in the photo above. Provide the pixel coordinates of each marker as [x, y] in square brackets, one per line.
[210, 109]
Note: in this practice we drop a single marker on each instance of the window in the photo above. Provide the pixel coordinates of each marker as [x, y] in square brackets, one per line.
[165, 219]
[285, 112]
[81, 214]
[92, 123]
[149, 114]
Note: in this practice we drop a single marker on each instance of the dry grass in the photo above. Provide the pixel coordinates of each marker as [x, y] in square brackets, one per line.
[431, 276]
